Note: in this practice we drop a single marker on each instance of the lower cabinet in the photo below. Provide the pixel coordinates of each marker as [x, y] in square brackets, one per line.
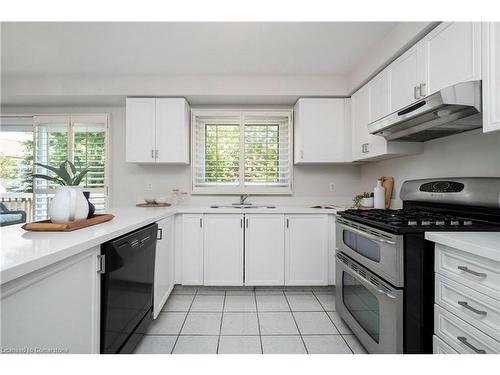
[264, 249]
[55, 309]
[164, 264]
[306, 249]
[192, 249]
[223, 249]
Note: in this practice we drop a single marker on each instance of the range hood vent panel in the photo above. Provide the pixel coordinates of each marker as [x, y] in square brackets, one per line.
[452, 110]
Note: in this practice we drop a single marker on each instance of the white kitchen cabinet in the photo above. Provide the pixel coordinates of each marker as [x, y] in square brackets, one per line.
[491, 75]
[164, 264]
[157, 130]
[192, 249]
[378, 97]
[405, 76]
[223, 249]
[321, 132]
[172, 130]
[365, 146]
[54, 308]
[332, 246]
[264, 249]
[306, 249]
[452, 55]
[140, 130]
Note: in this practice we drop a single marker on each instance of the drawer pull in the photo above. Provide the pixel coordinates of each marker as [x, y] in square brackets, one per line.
[464, 341]
[466, 269]
[467, 306]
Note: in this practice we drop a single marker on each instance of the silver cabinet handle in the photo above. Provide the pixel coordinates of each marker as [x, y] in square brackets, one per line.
[246, 221]
[287, 223]
[201, 222]
[364, 148]
[464, 341]
[416, 90]
[159, 235]
[241, 223]
[469, 307]
[152, 154]
[475, 273]
[423, 90]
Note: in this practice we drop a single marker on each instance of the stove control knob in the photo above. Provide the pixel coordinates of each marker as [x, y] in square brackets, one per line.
[467, 222]
[455, 222]
[412, 223]
[426, 222]
[440, 222]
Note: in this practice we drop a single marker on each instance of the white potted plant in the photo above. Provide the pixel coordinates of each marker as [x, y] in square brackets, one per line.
[69, 204]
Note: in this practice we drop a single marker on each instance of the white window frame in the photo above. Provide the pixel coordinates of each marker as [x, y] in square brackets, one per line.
[71, 119]
[241, 188]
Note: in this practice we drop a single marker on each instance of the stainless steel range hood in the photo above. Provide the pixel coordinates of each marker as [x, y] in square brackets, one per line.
[452, 110]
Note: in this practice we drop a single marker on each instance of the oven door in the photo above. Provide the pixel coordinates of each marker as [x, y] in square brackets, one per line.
[379, 251]
[371, 308]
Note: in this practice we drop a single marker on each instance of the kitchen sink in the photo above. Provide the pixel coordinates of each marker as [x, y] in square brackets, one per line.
[241, 206]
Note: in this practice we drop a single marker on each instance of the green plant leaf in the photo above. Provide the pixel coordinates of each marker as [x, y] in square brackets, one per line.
[72, 166]
[49, 178]
[80, 177]
[53, 169]
[62, 172]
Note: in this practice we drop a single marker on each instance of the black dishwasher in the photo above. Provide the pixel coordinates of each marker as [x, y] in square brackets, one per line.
[127, 289]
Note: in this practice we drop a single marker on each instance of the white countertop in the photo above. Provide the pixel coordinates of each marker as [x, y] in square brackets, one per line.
[485, 244]
[23, 252]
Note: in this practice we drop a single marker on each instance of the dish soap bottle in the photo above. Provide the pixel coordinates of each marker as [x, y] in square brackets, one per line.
[379, 196]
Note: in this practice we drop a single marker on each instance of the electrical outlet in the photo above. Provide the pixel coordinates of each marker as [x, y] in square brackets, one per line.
[331, 186]
[149, 186]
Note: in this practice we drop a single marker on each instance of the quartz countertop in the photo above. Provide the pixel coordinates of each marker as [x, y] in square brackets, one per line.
[485, 244]
[23, 252]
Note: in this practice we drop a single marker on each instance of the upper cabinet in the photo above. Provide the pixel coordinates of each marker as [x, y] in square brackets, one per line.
[322, 132]
[378, 93]
[452, 55]
[491, 76]
[406, 78]
[157, 130]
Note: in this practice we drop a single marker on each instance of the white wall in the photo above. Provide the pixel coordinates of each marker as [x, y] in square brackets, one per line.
[470, 154]
[128, 182]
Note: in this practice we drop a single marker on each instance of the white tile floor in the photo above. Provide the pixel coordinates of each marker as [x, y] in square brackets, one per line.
[202, 320]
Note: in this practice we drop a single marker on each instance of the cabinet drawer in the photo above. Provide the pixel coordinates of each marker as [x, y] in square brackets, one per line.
[460, 335]
[476, 272]
[475, 308]
[440, 347]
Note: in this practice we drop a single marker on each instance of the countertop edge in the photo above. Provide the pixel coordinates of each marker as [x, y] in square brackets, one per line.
[452, 239]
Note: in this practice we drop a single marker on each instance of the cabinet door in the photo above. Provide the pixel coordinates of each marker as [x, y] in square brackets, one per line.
[56, 307]
[491, 76]
[320, 131]
[164, 264]
[192, 249]
[264, 249]
[306, 250]
[172, 130]
[452, 55]
[140, 130]
[360, 120]
[223, 259]
[378, 97]
[405, 75]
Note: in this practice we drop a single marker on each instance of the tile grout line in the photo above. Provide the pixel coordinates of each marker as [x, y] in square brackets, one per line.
[184, 322]
[221, 319]
[258, 323]
[328, 315]
[295, 321]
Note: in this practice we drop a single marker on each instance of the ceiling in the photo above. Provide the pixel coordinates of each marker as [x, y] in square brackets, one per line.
[328, 48]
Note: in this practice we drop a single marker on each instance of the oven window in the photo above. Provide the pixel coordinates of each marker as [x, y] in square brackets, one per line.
[362, 305]
[362, 245]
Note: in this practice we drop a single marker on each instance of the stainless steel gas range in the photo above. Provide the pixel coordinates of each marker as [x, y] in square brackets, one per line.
[385, 267]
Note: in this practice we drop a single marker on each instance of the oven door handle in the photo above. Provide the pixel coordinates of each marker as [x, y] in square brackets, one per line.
[366, 282]
[368, 235]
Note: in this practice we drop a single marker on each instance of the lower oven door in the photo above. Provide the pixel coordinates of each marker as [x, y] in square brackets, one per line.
[372, 308]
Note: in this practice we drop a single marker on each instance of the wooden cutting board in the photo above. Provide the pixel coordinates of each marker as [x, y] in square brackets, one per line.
[49, 226]
[388, 184]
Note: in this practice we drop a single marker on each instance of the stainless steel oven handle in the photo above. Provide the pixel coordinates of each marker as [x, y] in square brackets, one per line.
[366, 282]
[368, 235]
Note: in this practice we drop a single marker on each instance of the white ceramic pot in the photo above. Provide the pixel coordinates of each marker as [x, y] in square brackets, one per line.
[68, 205]
[366, 202]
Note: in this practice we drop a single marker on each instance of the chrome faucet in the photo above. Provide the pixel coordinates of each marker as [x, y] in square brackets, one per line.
[243, 198]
